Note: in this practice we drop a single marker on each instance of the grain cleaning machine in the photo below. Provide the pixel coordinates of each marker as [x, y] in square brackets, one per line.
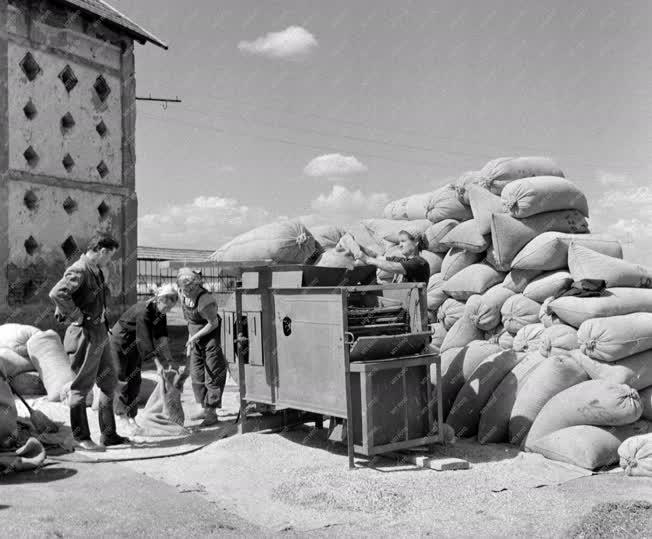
[328, 341]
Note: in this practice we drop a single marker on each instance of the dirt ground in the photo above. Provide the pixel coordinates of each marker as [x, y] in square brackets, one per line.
[293, 483]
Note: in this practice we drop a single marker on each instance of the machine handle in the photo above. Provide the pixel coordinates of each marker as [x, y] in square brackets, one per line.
[254, 325]
[348, 337]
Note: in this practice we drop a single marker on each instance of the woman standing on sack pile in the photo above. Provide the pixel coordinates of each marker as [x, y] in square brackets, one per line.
[208, 368]
[140, 334]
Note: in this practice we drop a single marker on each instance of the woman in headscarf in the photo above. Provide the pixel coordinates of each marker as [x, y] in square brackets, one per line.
[207, 365]
[411, 268]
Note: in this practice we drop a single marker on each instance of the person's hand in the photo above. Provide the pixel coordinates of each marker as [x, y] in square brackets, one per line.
[59, 316]
[188, 347]
[363, 258]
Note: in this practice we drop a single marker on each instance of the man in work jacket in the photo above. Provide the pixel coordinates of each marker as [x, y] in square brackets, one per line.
[80, 296]
[207, 365]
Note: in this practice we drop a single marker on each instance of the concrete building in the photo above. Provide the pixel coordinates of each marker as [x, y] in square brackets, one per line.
[67, 158]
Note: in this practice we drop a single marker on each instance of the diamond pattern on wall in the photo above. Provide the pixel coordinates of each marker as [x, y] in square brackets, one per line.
[101, 128]
[103, 209]
[31, 156]
[102, 88]
[30, 67]
[102, 169]
[67, 122]
[69, 205]
[31, 245]
[67, 76]
[69, 248]
[30, 200]
[30, 110]
[68, 162]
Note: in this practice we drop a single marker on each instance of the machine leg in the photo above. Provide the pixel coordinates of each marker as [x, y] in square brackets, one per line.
[440, 403]
[349, 444]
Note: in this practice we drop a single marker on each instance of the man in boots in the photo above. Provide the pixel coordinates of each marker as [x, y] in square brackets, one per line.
[80, 296]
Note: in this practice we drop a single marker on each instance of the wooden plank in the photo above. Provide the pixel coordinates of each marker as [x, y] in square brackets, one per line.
[241, 366]
[4, 156]
[440, 402]
[398, 446]
[392, 363]
[441, 464]
[67, 183]
[347, 382]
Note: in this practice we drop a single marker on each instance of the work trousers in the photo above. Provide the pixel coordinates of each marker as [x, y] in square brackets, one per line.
[92, 361]
[208, 369]
[130, 366]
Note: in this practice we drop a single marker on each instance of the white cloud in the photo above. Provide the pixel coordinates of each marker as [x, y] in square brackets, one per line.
[294, 42]
[334, 165]
[611, 179]
[342, 205]
[205, 223]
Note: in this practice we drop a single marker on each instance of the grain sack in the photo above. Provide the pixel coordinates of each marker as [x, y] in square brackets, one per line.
[438, 231]
[549, 251]
[519, 311]
[464, 415]
[450, 312]
[497, 173]
[493, 261]
[48, 356]
[494, 418]
[615, 337]
[484, 310]
[553, 375]
[483, 205]
[435, 292]
[434, 260]
[546, 316]
[461, 334]
[464, 183]
[474, 279]
[28, 384]
[635, 370]
[528, 338]
[541, 194]
[506, 340]
[8, 413]
[636, 455]
[412, 207]
[438, 335]
[586, 264]
[575, 310]
[388, 229]
[646, 402]
[332, 258]
[594, 402]
[359, 235]
[547, 285]
[517, 280]
[456, 260]
[327, 235]
[15, 337]
[510, 235]
[558, 339]
[13, 363]
[467, 236]
[586, 446]
[288, 242]
[444, 204]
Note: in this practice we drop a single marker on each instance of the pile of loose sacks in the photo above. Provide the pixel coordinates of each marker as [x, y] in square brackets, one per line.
[544, 331]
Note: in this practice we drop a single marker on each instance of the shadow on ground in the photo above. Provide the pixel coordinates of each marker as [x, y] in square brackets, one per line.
[40, 475]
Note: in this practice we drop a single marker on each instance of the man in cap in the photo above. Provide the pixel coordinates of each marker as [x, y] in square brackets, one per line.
[208, 368]
[139, 335]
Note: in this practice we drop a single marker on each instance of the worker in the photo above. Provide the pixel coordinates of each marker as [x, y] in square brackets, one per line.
[411, 268]
[80, 297]
[139, 335]
[206, 361]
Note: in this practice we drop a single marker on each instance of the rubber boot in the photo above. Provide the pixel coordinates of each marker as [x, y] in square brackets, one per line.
[80, 430]
[109, 436]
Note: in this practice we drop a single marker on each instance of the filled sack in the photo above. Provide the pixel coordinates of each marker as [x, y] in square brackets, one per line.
[13, 363]
[412, 207]
[549, 251]
[547, 285]
[506, 340]
[48, 356]
[464, 183]
[546, 316]
[332, 258]
[28, 384]
[450, 312]
[484, 310]
[509, 236]
[467, 236]
[438, 336]
[586, 446]
[646, 402]
[456, 260]
[461, 334]
[288, 242]
[519, 311]
[434, 260]
[497, 173]
[444, 204]
[437, 232]
[474, 279]
[528, 338]
[15, 337]
[575, 310]
[327, 235]
[483, 205]
[517, 280]
[464, 415]
[493, 426]
[635, 370]
[552, 376]
[541, 194]
[615, 337]
[587, 264]
[594, 402]
[8, 413]
[359, 235]
[636, 455]
[389, 229]
[435, 292]
[558, 339]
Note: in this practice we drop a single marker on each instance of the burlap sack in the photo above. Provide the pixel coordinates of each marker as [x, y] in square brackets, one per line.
[540, 194]
[497, 173]
[587, 264]
[456, 260]
[467, 236]
[616, 337]
[436, 232]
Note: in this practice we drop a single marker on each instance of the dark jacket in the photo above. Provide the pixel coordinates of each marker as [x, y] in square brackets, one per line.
[140, 326]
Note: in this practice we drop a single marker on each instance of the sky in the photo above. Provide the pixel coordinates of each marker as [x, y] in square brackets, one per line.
[325, 111]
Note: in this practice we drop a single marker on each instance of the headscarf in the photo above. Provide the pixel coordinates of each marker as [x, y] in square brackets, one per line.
[167, 291]
[188, 277]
